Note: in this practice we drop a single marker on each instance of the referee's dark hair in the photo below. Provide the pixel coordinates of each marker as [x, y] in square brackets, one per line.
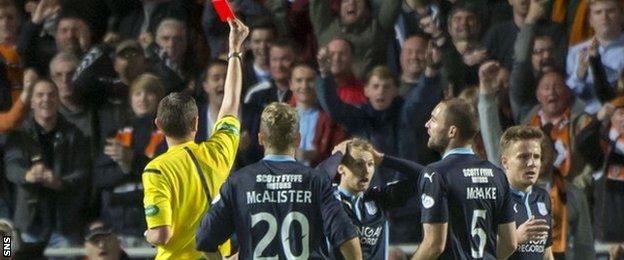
[462, 115]
[176, 114]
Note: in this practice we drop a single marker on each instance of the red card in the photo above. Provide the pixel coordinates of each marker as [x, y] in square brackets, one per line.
[223, 10]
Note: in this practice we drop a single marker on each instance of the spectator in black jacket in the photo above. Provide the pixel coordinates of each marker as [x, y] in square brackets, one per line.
[47, 161]
[256, 65]
[281, 60]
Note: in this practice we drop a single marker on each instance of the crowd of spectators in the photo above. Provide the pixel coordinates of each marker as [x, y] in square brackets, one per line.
[80, 81]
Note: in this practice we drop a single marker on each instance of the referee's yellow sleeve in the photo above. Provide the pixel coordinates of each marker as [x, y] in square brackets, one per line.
[220, 149]
[156, 198]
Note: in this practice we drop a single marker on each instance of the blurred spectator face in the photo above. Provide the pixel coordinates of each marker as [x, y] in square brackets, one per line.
[605, 17]
[172, 38]
[143, 102]
[553, 94]
[281, 60]
[520, 7]
[464, 26]
[61, 73]
[341, 56]
[543, 57]
[73, 35]
[380, 92]
[214, 83]
[352, 10]
[9, 22]
[103, 247]
[260, 43]
[45, 100]
[357, 176]
[522, 162]
[617, 120]
[413, 61]
[437, 130]
[302, 84]
[130, 64]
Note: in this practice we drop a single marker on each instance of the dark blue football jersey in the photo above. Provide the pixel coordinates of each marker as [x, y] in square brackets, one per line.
[534, 203]
[277, 208]
[472, 196]
[369, 211]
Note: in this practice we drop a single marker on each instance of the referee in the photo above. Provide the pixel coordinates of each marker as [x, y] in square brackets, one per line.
[180, 183]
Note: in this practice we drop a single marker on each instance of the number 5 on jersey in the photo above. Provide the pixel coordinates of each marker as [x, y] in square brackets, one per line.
[478, 232]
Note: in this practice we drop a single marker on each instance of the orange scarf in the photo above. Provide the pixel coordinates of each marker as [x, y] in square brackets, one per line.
[12, 60]
[614, 171]
[560, 221]
[559, 133]
[125, 138]
[580, 28]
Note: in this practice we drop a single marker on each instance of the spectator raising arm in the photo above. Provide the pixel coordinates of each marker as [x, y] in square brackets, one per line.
[489, 120]
[12, 119]
[234, 78]
[351, 117]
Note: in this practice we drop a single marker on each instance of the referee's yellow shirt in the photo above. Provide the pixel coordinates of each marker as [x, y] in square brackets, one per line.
[173, 190]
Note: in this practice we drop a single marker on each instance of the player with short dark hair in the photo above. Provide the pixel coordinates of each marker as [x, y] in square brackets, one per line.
[278, 207]
[353, 164]
[465, 201]
[521, 159]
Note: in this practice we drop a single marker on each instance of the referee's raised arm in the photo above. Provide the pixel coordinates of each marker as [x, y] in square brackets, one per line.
[234, 77]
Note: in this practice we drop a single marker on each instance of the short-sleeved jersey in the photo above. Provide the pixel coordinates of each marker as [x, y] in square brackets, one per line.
[473, 197]
[535, 203]
[278, 209]
[174, 195]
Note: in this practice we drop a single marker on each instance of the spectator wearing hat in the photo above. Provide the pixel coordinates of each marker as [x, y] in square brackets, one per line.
[102, 82]
[101, 243]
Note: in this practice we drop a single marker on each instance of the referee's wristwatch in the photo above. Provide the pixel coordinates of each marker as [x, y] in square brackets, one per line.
[235, 55]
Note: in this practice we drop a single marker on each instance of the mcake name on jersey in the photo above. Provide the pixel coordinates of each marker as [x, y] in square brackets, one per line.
[478, 175]
[279, 196]
[279, 182]
[533, 246]
[369, 235]
[478, 193]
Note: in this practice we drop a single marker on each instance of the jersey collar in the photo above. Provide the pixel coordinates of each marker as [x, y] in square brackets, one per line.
[461, 150]
[347, 193]
[180, 146]
[278, 158]
[520, 193]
